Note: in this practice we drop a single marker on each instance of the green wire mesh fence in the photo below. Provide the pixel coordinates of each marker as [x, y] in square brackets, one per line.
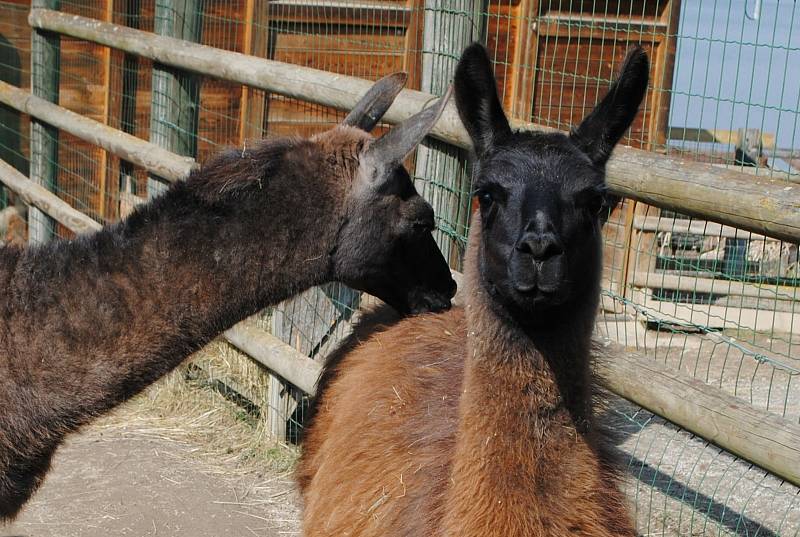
[714, 302]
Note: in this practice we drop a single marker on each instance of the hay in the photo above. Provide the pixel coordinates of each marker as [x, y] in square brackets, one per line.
[188, 407]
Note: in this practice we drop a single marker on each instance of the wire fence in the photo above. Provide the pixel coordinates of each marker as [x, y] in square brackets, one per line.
[715, 302]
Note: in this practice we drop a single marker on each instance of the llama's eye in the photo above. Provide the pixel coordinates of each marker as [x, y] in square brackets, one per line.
[485, 198]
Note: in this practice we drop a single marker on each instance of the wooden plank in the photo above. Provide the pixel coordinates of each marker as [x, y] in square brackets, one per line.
[696, 227]
[758, 436]
[699, 284]
[412, 43]
[252, 107]
[716, 317]
[141, 153]
[103, 164]
[526, 56]
[663, 70]
[340, 12]
[727, 196]
[45, 78]
[627, 249]
[45, 201]
[622, 30]
[715, 136]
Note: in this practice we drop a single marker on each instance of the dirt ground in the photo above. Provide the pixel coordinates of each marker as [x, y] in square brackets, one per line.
[113, 481]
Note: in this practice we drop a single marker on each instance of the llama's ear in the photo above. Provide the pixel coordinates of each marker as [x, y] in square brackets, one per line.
[394, 146]
[477, 100]
[604, 126]
[370, 109]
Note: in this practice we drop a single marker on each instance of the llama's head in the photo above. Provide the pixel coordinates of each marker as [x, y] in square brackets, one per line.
[385, 244]
[542, 196]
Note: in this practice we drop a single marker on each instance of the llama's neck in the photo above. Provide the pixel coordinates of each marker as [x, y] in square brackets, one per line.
[525, 402]
[114, 311]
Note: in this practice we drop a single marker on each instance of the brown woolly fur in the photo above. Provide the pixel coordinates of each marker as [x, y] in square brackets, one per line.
[479, 421]
[440, 445]
[88, 323]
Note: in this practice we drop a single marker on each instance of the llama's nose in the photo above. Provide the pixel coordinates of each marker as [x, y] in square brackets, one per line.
[540, 246]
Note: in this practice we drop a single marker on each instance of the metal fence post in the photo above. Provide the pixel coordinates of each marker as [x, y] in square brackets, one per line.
[45, 75]
[440, 174]
[176, 94]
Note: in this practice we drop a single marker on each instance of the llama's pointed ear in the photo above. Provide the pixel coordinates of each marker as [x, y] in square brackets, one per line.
[477, 100]
[370, 109]
[394, 146]
[600, 131]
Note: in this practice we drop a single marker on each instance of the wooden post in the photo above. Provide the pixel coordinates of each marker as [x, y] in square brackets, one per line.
[441, 176]
[526, 59]
[45, 75]
[103, 165]
[176, 94]
[252, 109]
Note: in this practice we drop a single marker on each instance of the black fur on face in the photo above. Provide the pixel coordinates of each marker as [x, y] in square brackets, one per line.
[386, 246]
[542, 196]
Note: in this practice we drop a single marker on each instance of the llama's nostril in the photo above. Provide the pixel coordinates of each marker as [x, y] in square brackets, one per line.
[540, 246]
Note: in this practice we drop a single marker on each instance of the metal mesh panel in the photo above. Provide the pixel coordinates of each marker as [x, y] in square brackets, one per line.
[717, 303]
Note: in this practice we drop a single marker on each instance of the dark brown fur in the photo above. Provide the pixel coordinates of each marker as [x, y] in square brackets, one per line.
[88, 323]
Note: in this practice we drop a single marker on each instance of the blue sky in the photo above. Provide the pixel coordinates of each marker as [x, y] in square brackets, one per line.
[733, 72]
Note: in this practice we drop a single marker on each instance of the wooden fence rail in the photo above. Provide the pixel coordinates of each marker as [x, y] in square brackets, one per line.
[758, 436]
[763, 205]
[133, 149]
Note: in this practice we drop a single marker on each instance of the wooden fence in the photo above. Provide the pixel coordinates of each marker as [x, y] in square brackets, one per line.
[725, 196]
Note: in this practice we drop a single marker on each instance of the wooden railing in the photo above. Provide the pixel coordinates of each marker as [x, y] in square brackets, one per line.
[724, 196]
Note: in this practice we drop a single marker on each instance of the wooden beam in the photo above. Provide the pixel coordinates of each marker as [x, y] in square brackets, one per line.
[656, 224]
[526, 57]
[275, 355]
[730, 197]
[714, 136]
[761, 437]
[103, 165]
[663, 71]
[699, 284]
[45, 201]
[252, 107]
[716, 317]
[45, 82]
[141, 153]
[344, 12]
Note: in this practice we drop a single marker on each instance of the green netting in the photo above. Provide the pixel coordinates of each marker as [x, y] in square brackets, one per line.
[714, 302]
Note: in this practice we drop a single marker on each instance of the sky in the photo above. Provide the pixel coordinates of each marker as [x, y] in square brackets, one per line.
[733, 72]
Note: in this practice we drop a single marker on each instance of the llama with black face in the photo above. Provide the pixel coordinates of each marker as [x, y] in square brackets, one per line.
[479, 421]
[88, 323]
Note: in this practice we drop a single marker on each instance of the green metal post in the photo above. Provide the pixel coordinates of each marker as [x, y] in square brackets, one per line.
[176, 94]
[45, 71]
[441, 174]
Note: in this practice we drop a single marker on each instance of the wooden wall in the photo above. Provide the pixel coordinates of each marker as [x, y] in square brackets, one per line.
[553, 60]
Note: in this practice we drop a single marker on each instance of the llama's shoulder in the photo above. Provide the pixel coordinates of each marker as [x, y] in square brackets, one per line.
[393, 406]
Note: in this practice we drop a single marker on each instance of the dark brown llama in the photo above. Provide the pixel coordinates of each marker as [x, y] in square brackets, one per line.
[478, 422]
[90, 322]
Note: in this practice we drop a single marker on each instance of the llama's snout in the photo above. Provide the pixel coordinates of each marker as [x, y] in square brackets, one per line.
[538, 265]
